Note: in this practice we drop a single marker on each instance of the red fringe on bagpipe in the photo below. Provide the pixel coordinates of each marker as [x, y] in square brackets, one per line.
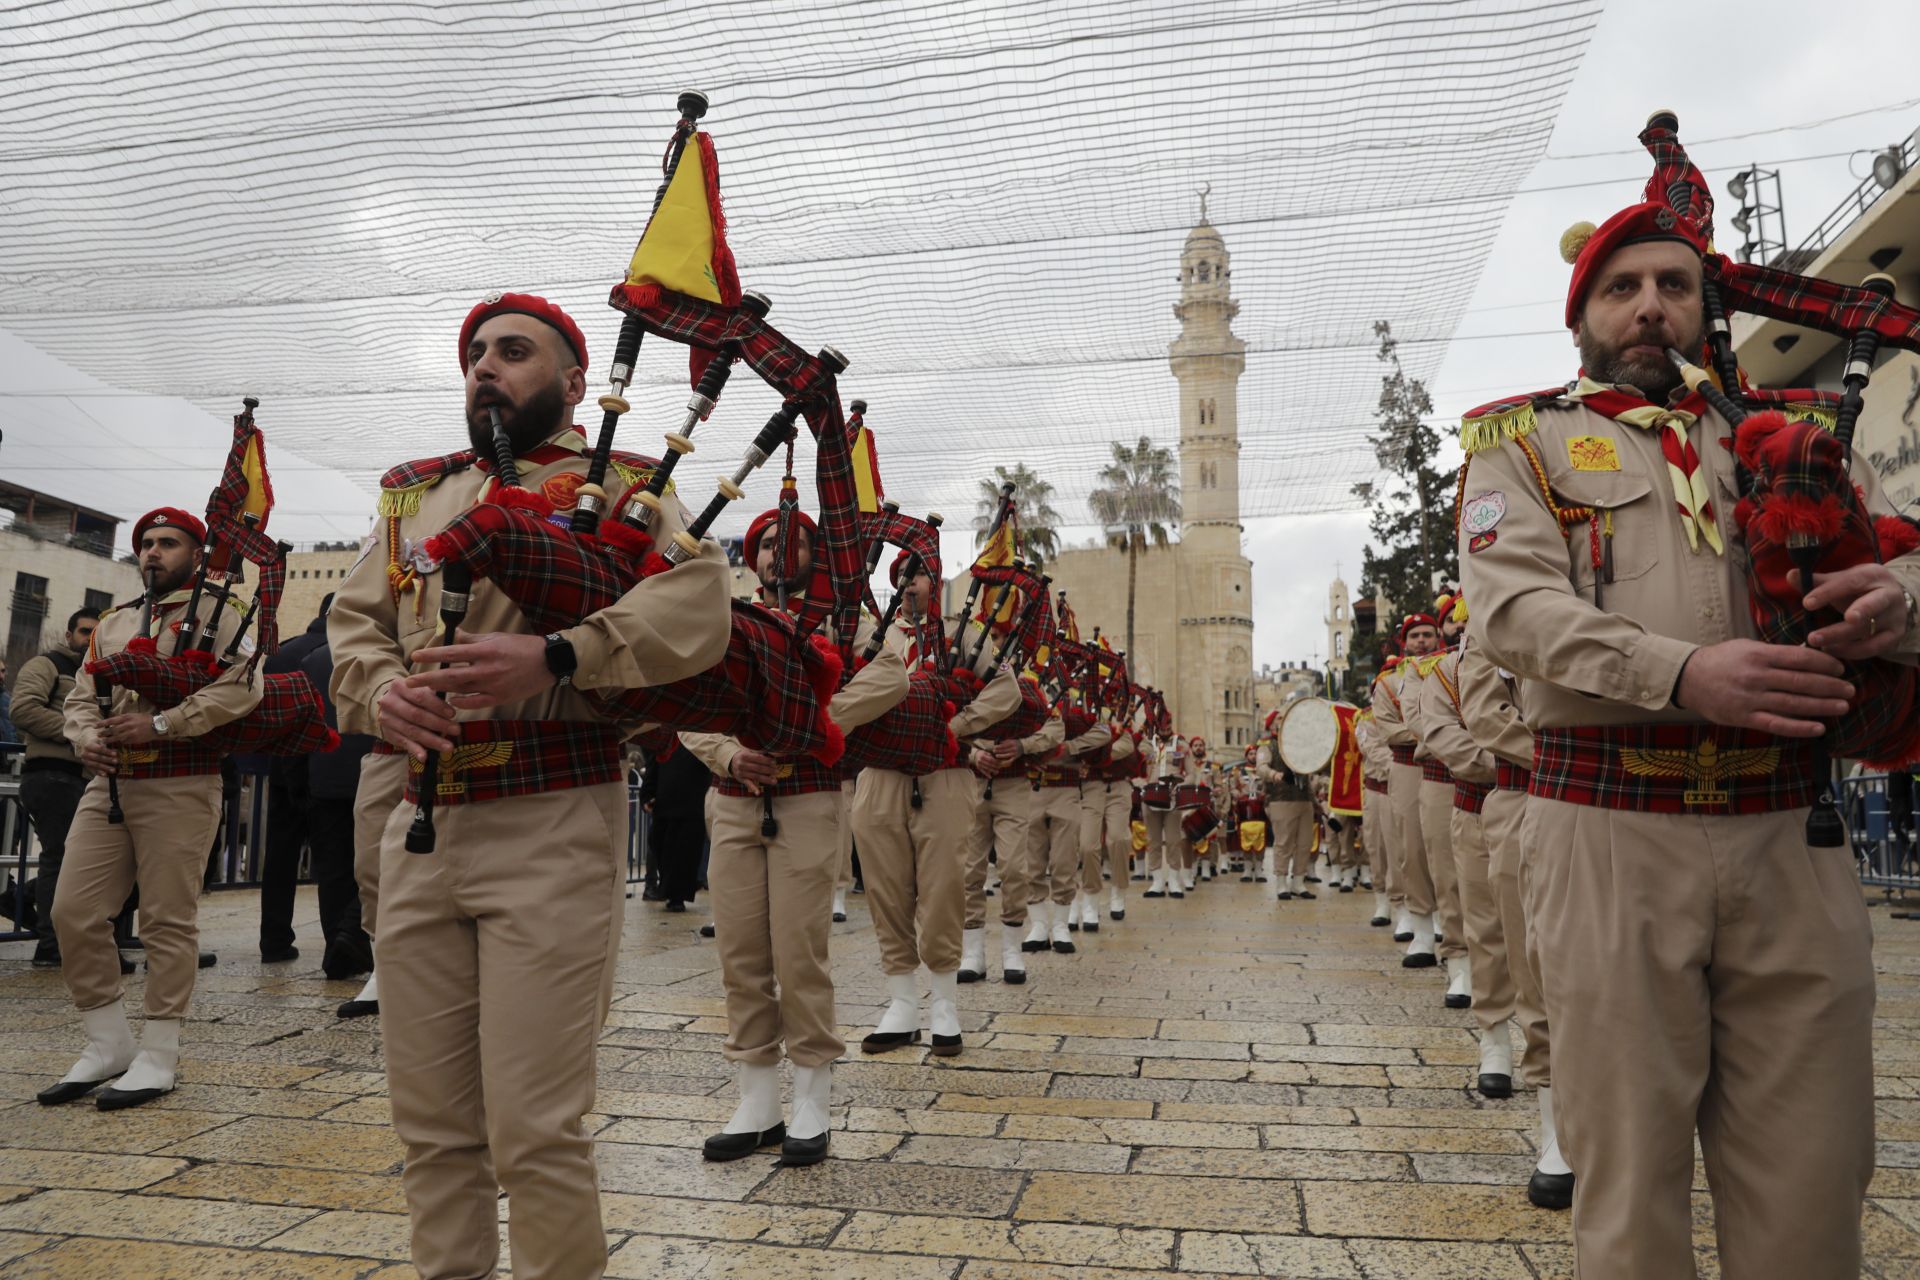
[519, 499]
[1897, 537]
[725, 273]
[1786, 514]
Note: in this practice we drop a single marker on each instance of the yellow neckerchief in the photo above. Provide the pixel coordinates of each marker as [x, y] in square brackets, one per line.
[1690, 492]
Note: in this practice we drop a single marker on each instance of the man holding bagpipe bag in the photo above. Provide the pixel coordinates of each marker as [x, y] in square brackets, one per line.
[1704, 598]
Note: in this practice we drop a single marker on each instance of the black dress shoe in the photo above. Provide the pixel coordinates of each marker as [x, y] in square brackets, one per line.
[967, 975]
[1303, 894]
[126, 966]
[1459, 1002]
[1246, 879]
[796, 1153]
[706, 931]
[279, 955]
[1259, 879]
[1312, 879]
[1063, 948]
[1346, 888]
[1073, 926]
[735, 1146]
[1285, 895]
[1495, 1086]
[1140, 877]
[346, 958]
[1419, 960]
[111, 1099]
[46, 955]
[67, 1090]
[945, 1047]
[209, 959]
[839, 917]
[1550, 1190]
[1029, 946]
[1403, 936]
[357, 1009]
[882, 1041]
[1154, 893]
[1118, 915]
[1381, 922]
[1092, 926]
[1175, 893]
[1013, 977]
[674, 905]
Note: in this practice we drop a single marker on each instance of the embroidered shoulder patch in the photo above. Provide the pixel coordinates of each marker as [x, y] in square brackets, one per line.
[1479, 514]
[1593, 453]
[1481, 541]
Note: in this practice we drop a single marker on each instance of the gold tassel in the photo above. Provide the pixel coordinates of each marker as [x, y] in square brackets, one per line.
[1492, 430]
[404, 502]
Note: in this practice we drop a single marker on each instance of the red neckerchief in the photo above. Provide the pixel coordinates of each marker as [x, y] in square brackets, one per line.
[1692, 499]
[542, 454]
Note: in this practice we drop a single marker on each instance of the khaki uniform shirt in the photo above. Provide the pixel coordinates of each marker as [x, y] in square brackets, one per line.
[1533, 589]
[1389, 706]
[667, 627]
[223, 700]
[1490, 709]
[1375, 757]
[997, 700]
[1444, 731]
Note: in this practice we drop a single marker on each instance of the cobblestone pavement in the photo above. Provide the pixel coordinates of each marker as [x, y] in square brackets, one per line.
[1225, 1085]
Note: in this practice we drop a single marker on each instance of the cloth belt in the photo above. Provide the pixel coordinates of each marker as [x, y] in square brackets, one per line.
[1053, 778]
[168, 758]
[1510, 777]
[495, 759]
[801, 777]
[1434, 771]
[1471, 797]
[1401, 755]
[1378, 785]
[1675, 768]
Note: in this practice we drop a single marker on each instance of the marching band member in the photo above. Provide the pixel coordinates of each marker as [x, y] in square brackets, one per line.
[168, 787]
[1377, 816]
[1002, 817]
[1170, 772]
[1204, 780]
[1419, 635]
[1290, 814]
[1053, 830]
[1105, 837]
[1705, 966]
[496, 952]
[772, 887]
[1436, 831]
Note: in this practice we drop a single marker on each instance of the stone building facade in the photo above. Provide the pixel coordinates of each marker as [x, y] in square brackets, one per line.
[1193, 628]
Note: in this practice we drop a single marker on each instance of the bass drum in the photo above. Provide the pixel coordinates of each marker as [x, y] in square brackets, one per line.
[1309, 732]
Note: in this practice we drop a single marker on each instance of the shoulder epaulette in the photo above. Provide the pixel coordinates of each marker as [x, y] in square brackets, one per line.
[632, 468]
[401, 487]
[1799, 404]
[1426, 665]
[1494, 424]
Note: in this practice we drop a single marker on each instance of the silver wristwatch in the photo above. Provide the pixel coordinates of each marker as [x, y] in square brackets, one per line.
[161, 724]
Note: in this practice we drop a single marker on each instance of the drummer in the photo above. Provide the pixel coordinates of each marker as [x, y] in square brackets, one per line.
[1250, 820]
[1288, 799]
[1168, 771]
[1197, 796]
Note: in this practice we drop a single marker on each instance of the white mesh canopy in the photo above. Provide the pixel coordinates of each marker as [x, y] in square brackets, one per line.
[982, 204]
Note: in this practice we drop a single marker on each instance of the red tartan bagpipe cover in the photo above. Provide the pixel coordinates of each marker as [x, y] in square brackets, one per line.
[912, 737]
[1802, 492]
[290, 719]
[1027, 719]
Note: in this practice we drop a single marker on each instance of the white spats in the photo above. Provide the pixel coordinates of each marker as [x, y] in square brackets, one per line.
[839, 905]
[943, 1007]
[1551, 1161]
[1459, 982]
[759, 1108]
[1013, 964]
[110, 1048]
[973, 955]
[903, 1005]
[159, 1057]
[370, 993]
[812, 1101]
[1496, 1052]
[1420, 950]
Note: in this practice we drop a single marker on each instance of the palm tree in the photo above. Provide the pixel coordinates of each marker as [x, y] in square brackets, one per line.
[1033, 510]
[1138, 499]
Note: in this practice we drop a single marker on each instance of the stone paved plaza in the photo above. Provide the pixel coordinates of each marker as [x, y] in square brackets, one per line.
[1221, 1086]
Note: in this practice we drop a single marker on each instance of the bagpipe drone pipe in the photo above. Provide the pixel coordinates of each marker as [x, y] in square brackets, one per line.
[290, 718]
[1800, 511]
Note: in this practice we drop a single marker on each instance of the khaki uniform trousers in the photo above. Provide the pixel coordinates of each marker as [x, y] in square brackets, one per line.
[1436, 839]
[162, 846]
[913, 862]
[843, 878]
[496, 955]
[752, 879]
[1376, 827]
[1167, 845]
[382, 788]
[999, 823]
[1712, 972]
[1053, 844]
[1508, 868]
[1108, 815]
[1291, 822]
[1408, 849]
[1493, 998]
[1348, 848]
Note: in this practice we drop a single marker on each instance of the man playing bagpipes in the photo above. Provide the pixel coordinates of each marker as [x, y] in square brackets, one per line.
[1003, 815]
[1172, 769]
[913, 807]
[1106, 835]
[1377, 814]
[1289, 815]
[1632, 542]
[1394, 693]
[1489, 707]
[775, 832]
[496, 949]
[148, 817]
[1087, 691]
[1053, 829]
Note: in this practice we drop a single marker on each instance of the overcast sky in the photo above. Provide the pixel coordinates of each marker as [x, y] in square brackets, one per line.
[59, 422]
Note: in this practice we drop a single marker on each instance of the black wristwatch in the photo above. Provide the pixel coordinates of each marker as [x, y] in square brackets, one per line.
[561, 659]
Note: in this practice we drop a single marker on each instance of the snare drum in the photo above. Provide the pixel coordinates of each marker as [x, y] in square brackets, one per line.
[1250, 809]
[1191, 795]
[1157, 795]
[1198, 824]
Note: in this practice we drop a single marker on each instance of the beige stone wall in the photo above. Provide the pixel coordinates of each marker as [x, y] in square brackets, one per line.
[311, 576]
[70, 574]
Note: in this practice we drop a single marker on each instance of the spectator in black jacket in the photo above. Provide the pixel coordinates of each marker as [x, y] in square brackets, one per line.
[673, 791]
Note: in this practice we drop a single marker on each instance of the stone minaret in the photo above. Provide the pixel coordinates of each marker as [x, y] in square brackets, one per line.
[1339, 631]
[1215, 589]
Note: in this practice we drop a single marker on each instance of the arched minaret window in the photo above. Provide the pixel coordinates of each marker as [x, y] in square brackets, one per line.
[1209, 413]
[1204, 272]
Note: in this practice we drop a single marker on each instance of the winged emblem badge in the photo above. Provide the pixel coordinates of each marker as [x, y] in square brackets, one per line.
[471, 755]
[1704, 766]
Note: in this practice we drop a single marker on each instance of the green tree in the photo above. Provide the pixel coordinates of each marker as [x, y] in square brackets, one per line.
[1033, 509]
[1137, 503]
[1413, 511]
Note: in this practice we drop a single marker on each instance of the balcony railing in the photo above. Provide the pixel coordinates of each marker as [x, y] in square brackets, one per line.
[1849, 210]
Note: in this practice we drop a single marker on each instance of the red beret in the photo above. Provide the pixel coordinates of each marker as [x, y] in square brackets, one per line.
[525, 304]
[899, 566]
[1414, 620]
[1587, 247]
[169, 518]
[765, 521]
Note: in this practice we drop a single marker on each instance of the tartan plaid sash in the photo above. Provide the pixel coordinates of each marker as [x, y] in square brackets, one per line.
[290, 719]
[1675, 768]
[1433, 771]
[498, 759]
[1471, 797]
[1401, 754]
[1378, 785]
[1510, 777]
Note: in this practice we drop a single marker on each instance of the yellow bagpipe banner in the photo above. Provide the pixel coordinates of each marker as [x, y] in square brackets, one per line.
[997, 553]
[1253, 836]
[866, 472]
[676, 251]
[1345, 790]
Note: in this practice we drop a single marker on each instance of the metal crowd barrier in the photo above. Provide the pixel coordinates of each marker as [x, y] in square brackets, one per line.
[1879, 811]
